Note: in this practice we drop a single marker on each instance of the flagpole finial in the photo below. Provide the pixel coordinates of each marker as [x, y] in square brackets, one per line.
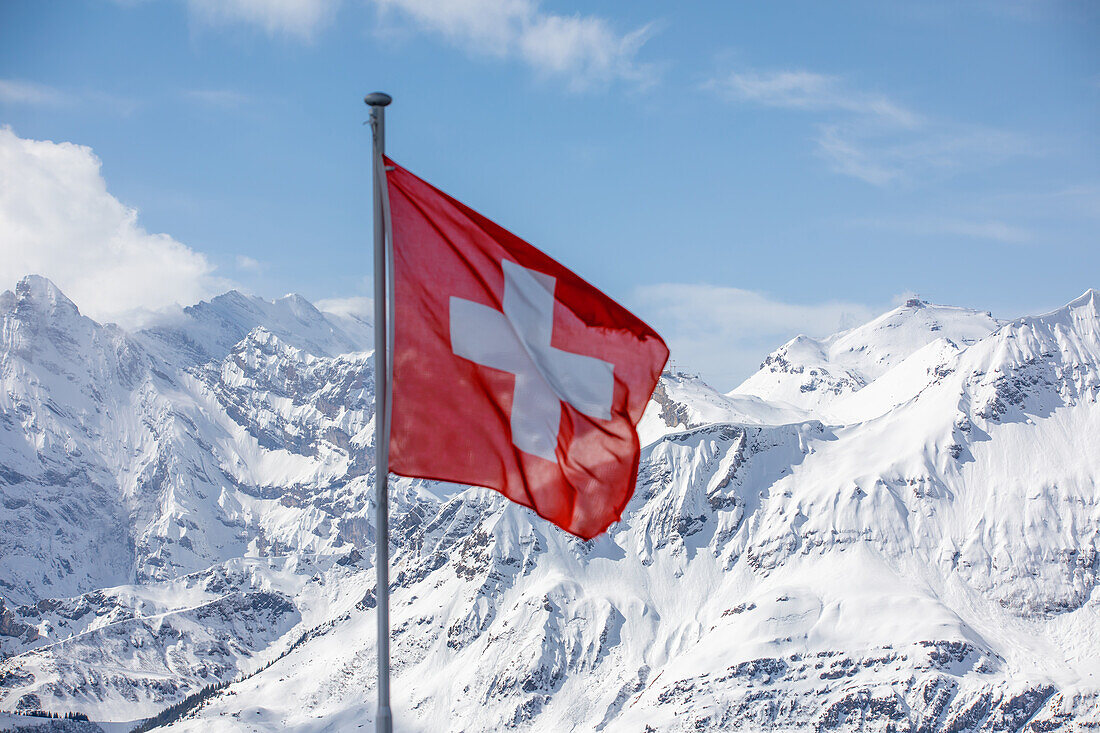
[378, 99]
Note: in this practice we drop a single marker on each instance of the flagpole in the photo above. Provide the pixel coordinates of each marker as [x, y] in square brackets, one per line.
[384, 716]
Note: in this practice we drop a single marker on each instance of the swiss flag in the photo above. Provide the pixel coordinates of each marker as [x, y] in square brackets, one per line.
[509, 371]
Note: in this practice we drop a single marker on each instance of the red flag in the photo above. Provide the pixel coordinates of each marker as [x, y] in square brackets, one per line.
[509, 371]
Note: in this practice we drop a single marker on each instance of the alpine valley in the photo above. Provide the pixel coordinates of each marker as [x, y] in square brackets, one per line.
[891, 529]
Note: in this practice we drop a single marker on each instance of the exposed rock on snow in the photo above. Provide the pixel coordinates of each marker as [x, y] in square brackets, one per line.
[892, 529]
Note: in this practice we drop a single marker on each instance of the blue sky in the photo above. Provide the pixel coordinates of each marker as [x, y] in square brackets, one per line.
[736, 172]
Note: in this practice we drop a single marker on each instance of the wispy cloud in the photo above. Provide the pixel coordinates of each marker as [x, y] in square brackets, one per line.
[225, 98]
[249, 264]
[882, 155]
[112, 103]
[869, 135]
[997, 231]
[356, 306]
[1068, 202]
[992, 230]
[849, 155]
[585, 50]
[300, 19]
[13, 91]
[726, 332]
[20, 92]
[800, 89]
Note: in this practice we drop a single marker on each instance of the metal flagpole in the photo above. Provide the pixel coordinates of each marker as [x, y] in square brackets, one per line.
[384, 717]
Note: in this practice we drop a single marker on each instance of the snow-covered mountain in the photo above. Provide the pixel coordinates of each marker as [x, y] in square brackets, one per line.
[821, 375]
[208, 330]
[892, 529]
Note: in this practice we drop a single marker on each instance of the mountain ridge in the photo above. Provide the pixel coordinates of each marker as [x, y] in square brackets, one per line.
[812, 373]
[847, 564]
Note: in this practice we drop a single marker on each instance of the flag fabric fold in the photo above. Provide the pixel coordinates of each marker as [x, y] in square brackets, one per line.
[510, 371]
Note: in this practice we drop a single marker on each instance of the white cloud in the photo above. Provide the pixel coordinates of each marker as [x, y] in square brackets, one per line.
[354, 306]
[244, 262]
[13, 91]
[1079, 200]
[848, 156]
[57, 219]
[869, 136]
[881, 155]
[989, 229]
[725, 333]
[584, 49]
[300, 18]
[807, 90]
[997, 231]
[226, 98]
[33, 94]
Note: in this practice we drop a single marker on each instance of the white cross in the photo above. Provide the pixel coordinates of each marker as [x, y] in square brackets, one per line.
[518, 341]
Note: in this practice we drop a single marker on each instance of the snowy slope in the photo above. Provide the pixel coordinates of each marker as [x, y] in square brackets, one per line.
[814, 374]
[682, 400]
[917, 550]
[208, 330]
[69, 389]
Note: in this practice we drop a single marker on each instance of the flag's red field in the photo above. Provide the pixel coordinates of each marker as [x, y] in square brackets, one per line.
[510, 371]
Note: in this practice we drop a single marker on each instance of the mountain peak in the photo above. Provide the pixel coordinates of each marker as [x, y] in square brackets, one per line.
[261, 343]
[1089, 298]
[264, 340]
[227, 298]
[810, 373]
[295, 299]
[40, 294]
[918, 307]
[1076, 323]
[211, 328]
[300, 308]
[150, 503]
